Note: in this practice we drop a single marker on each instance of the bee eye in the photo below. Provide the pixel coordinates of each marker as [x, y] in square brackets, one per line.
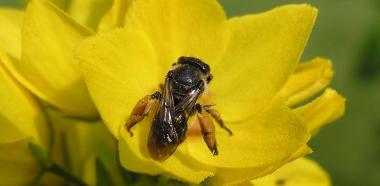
[209, 78]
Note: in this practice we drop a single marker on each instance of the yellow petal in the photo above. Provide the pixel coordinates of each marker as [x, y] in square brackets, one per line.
[262, 141]
[10, 32]
[88, 12]
[297, 173]
[114, 18]
[20, 115]
[130, 156]
[177, 28]
[323, 110]
[308, 79]
[47, 66]
[17, 164]
[263, 51]
[228, 176]
[119, 67]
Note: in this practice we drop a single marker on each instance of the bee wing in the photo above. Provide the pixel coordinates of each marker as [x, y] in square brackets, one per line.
[188, 103]
[163, 138]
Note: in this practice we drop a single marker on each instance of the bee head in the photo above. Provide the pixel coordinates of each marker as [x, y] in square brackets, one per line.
[202, 66]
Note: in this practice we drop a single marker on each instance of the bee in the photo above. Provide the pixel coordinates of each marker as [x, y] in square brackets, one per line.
[184, 85]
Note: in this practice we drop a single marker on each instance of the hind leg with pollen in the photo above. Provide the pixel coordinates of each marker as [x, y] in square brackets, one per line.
[141, 110]
[207, 129]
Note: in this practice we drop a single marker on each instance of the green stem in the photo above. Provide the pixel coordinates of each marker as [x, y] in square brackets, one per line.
[59, 171]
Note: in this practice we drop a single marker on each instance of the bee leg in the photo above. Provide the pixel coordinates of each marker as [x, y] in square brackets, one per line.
[215, 114]
[141, 110]
[208, 131]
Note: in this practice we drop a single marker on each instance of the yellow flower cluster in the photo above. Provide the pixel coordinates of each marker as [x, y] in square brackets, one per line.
[62, 64]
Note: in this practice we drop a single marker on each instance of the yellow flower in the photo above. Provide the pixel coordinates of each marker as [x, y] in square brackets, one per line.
[41, 41]
[257, 84]
[44, 65]
[21, 122]
[251, 58]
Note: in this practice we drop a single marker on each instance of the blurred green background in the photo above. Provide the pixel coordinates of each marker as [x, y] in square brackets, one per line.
[348, 32]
